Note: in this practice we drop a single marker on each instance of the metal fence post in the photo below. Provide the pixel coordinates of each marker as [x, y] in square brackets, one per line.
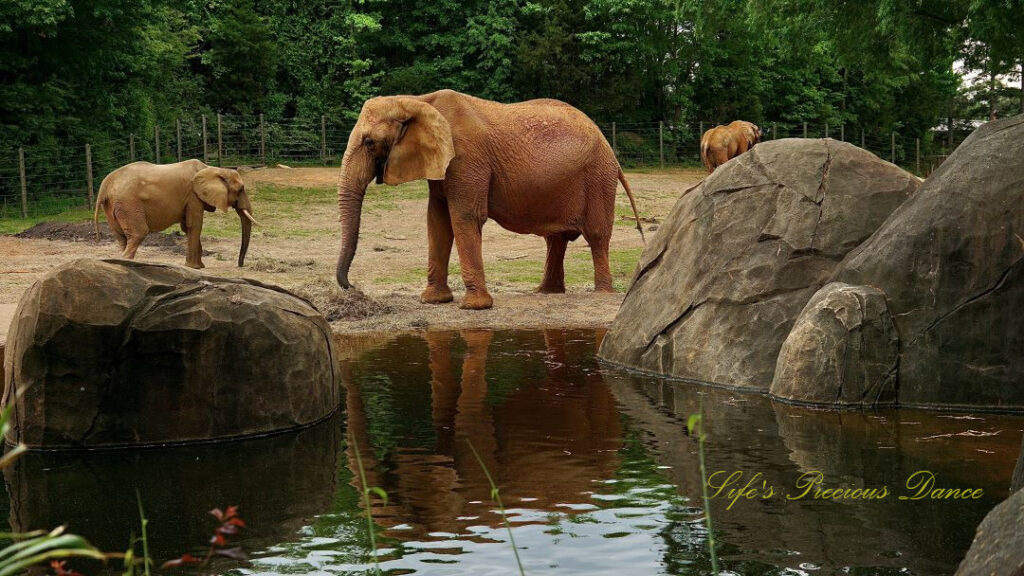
[917, 163]
[263, 141]
[220, 143]
[24, 188]
[156, 139]
[661, 143]
[88, 172]
[615, 145]
[805, 129]
[323, 138]
[206, 155]
[177, 125]
[131, 146]
[893, 140]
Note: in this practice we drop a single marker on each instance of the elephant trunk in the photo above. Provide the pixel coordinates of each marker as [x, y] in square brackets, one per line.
[356, 174]
[244, 209]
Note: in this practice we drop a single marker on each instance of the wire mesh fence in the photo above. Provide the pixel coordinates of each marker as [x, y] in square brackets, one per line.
[46, 180]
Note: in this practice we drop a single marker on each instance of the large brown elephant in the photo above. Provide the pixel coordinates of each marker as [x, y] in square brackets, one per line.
[721, 143]
[538, 167]
[140, 198]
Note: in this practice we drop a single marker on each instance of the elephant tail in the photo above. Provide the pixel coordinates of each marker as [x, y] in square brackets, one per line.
[100, 199]
[632, 202]
[704, 145]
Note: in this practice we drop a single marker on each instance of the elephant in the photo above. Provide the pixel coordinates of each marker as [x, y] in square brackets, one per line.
[721, 143]
[141, 197]
[537, 167]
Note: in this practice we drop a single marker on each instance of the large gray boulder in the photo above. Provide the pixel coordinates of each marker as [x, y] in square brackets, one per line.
[719, 287]
[998, 547]
[950, 261]
[115, 352]
[842, 350]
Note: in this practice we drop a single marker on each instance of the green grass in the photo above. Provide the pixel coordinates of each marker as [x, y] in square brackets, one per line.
[16, 225]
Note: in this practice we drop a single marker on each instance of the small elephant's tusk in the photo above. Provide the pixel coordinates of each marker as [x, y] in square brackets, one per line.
[249, 216]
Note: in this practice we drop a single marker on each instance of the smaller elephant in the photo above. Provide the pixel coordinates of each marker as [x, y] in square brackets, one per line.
[140, 198]
[722, 143]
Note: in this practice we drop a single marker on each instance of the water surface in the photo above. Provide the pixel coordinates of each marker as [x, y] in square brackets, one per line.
[595, 467]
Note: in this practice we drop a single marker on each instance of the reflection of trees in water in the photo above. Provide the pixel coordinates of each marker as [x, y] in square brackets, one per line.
[546, 434]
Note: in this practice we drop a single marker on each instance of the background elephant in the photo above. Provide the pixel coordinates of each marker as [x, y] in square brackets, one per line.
[537, 167]
[141, 198]
[721, 143]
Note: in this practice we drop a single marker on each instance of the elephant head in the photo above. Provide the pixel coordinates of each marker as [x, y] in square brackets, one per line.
[749, 131]
[220, 189]
[396, 139]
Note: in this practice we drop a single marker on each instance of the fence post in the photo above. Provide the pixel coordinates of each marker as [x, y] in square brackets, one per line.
[24, 188]
[323, 138]
[615, 145]
[917, 162]
[862, 137]
[156, 139]
[805, 129]
[220, 143]
[826, 129]
[893, 140]
[263, 141]
[661, 143]
[775, 131]
[206, 155]
[131, 146]
[88, 172]
[842, 132]
[177, 125]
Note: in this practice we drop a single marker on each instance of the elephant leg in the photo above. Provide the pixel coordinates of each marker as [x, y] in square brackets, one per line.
[192, 225]
[132, 222]
[468, 241]
[602, 270]
[439, 241]
[554, 270]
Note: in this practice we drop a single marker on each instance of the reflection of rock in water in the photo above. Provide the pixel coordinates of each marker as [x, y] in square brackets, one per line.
[545, 427]
[751, 434]
[279, 483]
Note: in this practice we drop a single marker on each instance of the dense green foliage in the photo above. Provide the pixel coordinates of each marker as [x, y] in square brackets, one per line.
[71, 70]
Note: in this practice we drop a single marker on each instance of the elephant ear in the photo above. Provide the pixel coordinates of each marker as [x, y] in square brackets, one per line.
[424, 147]
[211, 188]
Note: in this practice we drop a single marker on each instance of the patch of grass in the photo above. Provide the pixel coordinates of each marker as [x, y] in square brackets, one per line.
[16, 225]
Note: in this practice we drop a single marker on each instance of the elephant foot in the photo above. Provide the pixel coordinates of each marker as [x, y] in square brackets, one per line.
[476, 301]
[607, 288]
[196, 265]
[435, 295]
[550, 289]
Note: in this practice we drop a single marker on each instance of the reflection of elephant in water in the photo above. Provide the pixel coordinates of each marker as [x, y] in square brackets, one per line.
[521, 439]
[721, 143]
[141, 198]
[538, 167]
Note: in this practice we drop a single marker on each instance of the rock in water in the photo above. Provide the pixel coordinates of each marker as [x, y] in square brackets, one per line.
[950, 261]
[842, 350]
[115, 352]
[733, 265]
[998, 547]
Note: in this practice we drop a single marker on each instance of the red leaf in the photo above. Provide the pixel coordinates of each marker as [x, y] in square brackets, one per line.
[60, 568]
[216, 513]
[235, 553]
[185, 559]
[237, 522]
[231, 512]
[218, 540]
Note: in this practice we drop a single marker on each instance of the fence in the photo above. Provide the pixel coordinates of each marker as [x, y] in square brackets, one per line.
[40, 181]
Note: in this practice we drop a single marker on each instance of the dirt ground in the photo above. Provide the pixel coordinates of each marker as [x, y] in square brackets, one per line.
[297, 246]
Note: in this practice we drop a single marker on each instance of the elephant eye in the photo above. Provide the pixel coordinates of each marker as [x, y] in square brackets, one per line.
[368, 142]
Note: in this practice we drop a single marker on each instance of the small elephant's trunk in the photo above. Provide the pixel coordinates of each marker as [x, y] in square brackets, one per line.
[244, 209]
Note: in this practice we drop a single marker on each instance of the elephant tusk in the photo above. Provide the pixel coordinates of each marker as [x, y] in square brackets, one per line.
[249, 216]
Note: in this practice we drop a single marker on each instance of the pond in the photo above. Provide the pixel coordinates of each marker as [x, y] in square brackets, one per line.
[595, 467]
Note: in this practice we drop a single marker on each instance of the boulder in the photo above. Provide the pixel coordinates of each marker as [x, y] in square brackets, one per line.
[105, 353]
[842, 350]
[950, 261]
[731, 268]
[998, 547]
